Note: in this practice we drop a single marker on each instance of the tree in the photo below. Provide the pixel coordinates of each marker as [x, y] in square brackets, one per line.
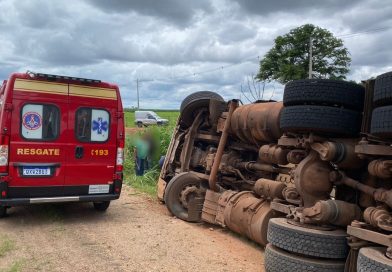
[254, 90]
[289, 58]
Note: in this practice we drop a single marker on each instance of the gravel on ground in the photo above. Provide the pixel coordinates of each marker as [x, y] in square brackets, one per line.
[135, 234]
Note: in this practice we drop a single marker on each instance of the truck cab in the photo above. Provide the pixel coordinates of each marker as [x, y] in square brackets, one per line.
[61, 140]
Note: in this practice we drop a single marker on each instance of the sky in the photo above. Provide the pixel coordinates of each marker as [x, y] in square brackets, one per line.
[177, 47]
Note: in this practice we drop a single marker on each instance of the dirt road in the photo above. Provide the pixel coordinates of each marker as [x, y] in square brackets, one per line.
[135, 234]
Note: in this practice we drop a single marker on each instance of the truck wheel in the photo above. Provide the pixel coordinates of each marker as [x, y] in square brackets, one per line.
[193, 102]
[381, 124]
[139, 124]
[324, 92]
[310, 242]
[383, 89]
[277, 260]
[101, 206]
[180, 190]
[3, 211]
[330, 121]
[373, 259]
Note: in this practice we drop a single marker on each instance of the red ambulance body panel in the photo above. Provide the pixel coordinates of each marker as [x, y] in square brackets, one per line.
[61, 140]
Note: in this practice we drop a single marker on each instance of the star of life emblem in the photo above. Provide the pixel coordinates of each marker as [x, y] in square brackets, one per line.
[100, 125]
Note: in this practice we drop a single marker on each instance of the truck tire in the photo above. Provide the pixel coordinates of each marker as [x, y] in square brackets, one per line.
[173, 192]
[330, 121]
[193, 102]
[373, 259]
[310, 242]
[101, 206]
[277, 260]
[381, 124]
[324, 92]
[139, 124]
[383, 90]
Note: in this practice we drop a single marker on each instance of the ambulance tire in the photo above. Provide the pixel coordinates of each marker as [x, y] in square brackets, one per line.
[101, 206]
[373, 259]
[3, 211]
[278, 260]
[139, 124]
[193, 102]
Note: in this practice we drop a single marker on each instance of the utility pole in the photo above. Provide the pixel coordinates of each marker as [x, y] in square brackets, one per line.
[138, 81]
[310, 57]
[137, 91]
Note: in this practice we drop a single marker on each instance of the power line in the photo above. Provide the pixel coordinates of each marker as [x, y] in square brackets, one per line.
[369, 31]
[222, 67]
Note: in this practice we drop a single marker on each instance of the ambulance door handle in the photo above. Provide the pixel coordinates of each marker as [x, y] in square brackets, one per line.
[79, 152]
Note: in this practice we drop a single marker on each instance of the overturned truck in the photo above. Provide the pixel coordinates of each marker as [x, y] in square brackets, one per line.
[309, 178]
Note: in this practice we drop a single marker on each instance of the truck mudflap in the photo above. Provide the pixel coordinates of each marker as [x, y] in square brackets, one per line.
[61, 199]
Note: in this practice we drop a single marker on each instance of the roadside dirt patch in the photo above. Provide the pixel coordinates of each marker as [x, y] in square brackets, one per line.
[135, 234]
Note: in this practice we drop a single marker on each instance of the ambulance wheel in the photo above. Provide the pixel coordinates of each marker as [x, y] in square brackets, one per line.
[101, 206]
[182, 190]
[139, 124]
[3, 211]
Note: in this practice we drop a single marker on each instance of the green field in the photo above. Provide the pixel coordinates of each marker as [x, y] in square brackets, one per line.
[170, 115]
[162, 136]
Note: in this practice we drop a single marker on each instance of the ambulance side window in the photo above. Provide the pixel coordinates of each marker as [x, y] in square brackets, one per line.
[92, 125]
[40, 122]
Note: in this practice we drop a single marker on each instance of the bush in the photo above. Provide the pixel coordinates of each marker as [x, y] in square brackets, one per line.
[161, 136]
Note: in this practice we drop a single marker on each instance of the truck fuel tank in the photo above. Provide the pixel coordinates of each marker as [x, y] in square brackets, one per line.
[257, 123]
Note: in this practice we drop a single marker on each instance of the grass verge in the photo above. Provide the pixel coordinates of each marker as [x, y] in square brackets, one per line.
[6, 245]
[15, 267]
[147, 182]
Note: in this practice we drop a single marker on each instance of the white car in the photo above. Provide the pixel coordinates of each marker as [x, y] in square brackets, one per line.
[146, 118]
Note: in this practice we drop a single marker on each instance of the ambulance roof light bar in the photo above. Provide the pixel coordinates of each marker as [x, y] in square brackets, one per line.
[56, 77]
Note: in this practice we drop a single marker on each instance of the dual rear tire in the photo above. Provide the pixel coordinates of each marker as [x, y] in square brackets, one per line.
[278, 260]
[373, 259]
[381, 124]
[296, 248]
[322, 106]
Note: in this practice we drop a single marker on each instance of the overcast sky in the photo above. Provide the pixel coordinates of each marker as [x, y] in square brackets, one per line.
[176, 47]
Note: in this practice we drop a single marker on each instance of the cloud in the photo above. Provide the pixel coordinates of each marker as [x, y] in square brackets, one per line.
[178, 12]
[289, 6]
[177, 47]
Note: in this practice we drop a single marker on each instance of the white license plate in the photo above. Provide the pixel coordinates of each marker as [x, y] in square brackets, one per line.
[36, 171]
[98, 189]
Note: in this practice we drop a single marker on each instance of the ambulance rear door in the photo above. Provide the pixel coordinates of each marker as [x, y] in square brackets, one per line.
[92, 148]
[38, 139]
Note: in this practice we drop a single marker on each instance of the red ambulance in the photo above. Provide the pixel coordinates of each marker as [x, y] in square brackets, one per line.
[61, 140]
